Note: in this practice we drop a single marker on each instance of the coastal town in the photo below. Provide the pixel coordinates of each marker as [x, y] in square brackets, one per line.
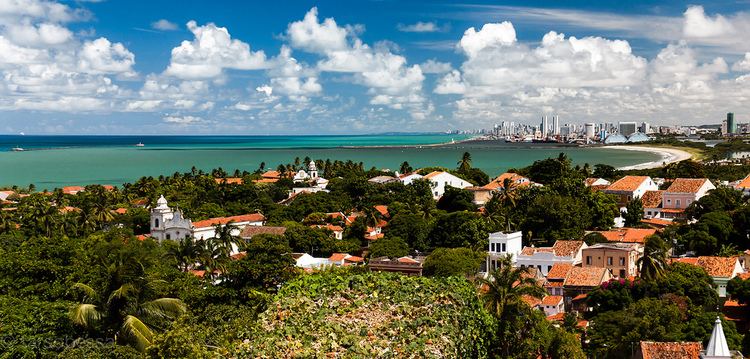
[584, 244]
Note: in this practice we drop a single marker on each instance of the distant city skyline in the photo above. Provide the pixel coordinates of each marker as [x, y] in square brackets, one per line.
[108, 67]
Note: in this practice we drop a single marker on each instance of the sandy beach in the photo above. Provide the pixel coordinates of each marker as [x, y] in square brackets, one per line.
[668, 155]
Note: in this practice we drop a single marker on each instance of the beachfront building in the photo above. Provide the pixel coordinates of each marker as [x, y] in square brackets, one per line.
[170, 224]
[439, 180]
[503, 244]
[630, 187]
[543, 258]
[619, 257]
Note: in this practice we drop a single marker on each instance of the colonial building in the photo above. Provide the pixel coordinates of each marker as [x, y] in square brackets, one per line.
[502, 244]
[681, 193]
[170, 224]
[543, 258]
[619, 258]
[721, 269]
[580, 281]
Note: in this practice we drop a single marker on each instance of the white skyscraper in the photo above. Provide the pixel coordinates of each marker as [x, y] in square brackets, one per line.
[556, 125]
[545, 126]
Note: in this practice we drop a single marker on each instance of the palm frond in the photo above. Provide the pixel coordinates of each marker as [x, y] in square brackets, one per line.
[88, 292]
[164, 308]
[85, 314]
[134, 329]
[121, 292]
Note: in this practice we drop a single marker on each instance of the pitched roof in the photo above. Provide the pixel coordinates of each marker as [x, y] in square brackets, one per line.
[271, 174]
[382, 209]
[250, 231]
[531, 301]
[671, 350]
[627, 183]
[687, 185]
[637, 235]
[744, 183]
[559, 271]
[552, 300]
[499, 181]
[229, 180]
[585, 276]
[529, 251]
[652, 199]
[328, 226]
[252, 217]
[588, 182]
[121, 210]
[433, 174]
[715, 266]
[566, 248]
[72, 189]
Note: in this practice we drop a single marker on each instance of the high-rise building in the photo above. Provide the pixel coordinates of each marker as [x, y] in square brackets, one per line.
[627, 128]
[645, 128]
[544, 128]
[731, 125]
[556, 125]
[590, 130]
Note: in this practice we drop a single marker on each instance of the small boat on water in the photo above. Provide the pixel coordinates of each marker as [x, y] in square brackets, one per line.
[17, 149]
[139, 144]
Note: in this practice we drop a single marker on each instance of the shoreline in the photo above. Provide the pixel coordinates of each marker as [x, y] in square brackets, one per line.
[668, 155]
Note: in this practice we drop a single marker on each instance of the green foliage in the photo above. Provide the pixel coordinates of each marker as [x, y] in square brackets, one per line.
[633, 213]
[413, 228]
[370, 315]
[267, 264]
[459, 229]
[392, 247]
[446, 262]
[739, 289]
[456, 199]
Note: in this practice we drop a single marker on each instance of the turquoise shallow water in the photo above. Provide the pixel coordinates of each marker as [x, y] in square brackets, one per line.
[55, 161]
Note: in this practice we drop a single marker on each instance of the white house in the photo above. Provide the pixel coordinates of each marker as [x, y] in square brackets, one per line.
[592, 181]
[407, 179]
[543, 258]
[439, 180]
[552, 305]
[170, 224]
[502, 244]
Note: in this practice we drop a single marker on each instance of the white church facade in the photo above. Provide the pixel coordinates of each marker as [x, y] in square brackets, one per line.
[170, 224]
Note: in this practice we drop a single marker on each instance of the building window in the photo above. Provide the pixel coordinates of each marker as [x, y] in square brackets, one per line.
[588, 260]
[156, 222]
[669, 201]
[503, 245]
[622, 273]
[492, 247]
[549, 268]
[678, 202]
[169, 236]
[622, 261]
[609, 261]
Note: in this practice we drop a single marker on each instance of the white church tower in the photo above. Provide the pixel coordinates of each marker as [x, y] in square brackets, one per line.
[717, 346]
[313, 170]
[167, 223]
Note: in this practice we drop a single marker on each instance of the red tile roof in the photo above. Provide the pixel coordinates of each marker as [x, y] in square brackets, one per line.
[585, 276]
[72, 189]
[382, 209]
[566, 248]
[229, 180]
[250, 231]
[271, 174]
[671, 350]
[722, 267]
[637, 235]
[552, 300]
[252, 217]
[559, 271]
[652, 199]
[121, 210]
[627, 183]
[686, 185]
[328, 226]
[531, 301]
[499, 181]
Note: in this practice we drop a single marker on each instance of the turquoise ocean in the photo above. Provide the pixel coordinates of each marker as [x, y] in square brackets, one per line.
[56, 161]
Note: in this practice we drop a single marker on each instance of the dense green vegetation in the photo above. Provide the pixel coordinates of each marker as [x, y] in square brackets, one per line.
[76, 282]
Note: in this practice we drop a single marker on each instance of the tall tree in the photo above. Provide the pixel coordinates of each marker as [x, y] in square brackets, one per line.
[654, 260]
[634, 212]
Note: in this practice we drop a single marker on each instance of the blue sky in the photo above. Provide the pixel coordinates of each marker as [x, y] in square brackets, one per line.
[294, 67]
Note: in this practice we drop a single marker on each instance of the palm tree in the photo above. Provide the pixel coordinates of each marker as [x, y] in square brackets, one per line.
[405, 168]
[187, 252]
[225, 239]
[465, 162]
[506, 287]
[654, 260]
[125, 309]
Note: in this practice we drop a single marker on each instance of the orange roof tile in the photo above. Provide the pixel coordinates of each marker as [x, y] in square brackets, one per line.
[337, 257]
[328, 226]
[744, 276]
[585, 276]
[72, 189]
[121, 210]
[637, 235]
[250, 231]
[529, 251]
[198, 273]
[238, 256]
[686, 185]
[715, 266]
[552, 300]
[271, 174]
[559, 271]
[407, 260]
[657, 222]
[229, 180]
[566, 248]
[671, 350]
[266, 180]
[499, 181]
[652, 199]
[382, 209]
[531, 301]
[433, 174]
[252, 217]
[627, 183]
[591, 180]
